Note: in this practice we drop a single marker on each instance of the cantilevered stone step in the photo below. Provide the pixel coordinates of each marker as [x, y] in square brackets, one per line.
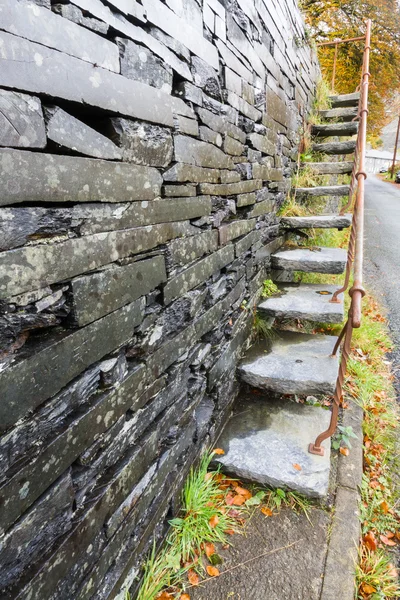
[334, 129]
[329, 168]
[263, 440]
[345, 100]
[335, 147]
[344, 114]
[317, 222]
[293, 363]
[305, 301]
[324, 190]
[315, 260]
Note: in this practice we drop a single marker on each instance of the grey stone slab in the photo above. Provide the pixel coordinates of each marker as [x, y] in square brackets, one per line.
[233, 62]
[96, 218]
[324, 190]
[243, 107]
[228, 189]
[246, 242]
[234, 230]
[265, 441]
[170, 191]
[31, 380]
[50, 518]
[205, 77]
[267, 173]
[130, 8]
[344, 114]
[261, 143]
[261, 208]
[339, 148]
[333, 168]
[304, 301]
[221, 125]
[185, 125]
[142, 143]
[188, 249]
[173, 44]
[319, 260]
[190, 92]
[69, 132]
[343, 100]
[140, 64]
[341, 129]
[41, 25]
[198, 273]
[56, 178]
[232, 146]
[208, 135]
[34, 267]
[96, 295]
[164, 18]
[73, 13]
[292, 363]
[277, 108]
[229, 176]
[317, 222]
[200, 154]
[246, 199]
[182, 172]
[61, 452]
[21, 121]
[18, 224]
[343, 545]
[62, 76]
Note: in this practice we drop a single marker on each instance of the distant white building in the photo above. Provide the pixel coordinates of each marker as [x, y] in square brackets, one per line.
[376, 159]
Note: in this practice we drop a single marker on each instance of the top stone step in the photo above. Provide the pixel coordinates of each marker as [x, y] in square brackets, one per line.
[344, 100]
[344, 114]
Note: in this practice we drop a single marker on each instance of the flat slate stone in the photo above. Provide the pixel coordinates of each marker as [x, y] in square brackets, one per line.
[324, 190]
[344, 114]
[142, 143]
[335, 129]
[317, 222]
[330, 168]
[292, 363]
[335, 147]
[344, 100]
[73, 13]
[69, 132]
[304, 301]
[56, 178]
[21, 121]
[264, 441]
[319, 260]
[140, 64]
[201, 154]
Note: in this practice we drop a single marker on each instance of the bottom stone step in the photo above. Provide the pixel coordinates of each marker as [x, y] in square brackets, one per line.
[267, 442]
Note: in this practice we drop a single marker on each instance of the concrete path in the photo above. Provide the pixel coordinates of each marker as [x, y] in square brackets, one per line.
[382, 251]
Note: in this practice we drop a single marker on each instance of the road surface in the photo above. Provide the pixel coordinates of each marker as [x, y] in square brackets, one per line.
[382, 251]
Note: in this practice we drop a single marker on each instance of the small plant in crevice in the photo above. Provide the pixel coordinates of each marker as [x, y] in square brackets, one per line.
[261, 328]
[342, 437]
[269, 288]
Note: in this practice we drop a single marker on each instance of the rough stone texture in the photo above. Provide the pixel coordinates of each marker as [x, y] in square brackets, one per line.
[310, 260]
[344, 100]
[341, 129]
[69, 132]
[263, 442]
[344, 114]
[140, 64]
[306, 301]
[21, 118]
[142, 143]
[342, 550]
[292, 363]
[333, 168]
[335, 147]
[332, 190]
[122, 285]
[96, 295]
[53, 178]
[317, 222]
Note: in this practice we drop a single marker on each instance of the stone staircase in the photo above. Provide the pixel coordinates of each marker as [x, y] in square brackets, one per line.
[267, 438]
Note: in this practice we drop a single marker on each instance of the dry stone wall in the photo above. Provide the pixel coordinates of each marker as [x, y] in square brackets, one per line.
[145, 150]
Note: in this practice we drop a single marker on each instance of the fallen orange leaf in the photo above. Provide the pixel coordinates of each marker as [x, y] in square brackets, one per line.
[214, 521]
[370, 541]
[243, 492]
[165, 596]
[229, 499]
[384, 507]
[238, 500]
[229, 531]
[389, 534]
[297, 467]
[193, 577]
[386, 540]
[368, 589]
[218, 451]
[344, 451]
[267, 511]
[185, 597]
[212, 571]
[209, 548]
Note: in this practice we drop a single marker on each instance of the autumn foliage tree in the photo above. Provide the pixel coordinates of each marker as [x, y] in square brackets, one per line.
[330, 20]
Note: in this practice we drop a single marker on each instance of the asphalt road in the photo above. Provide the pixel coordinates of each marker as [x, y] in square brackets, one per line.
[382, 252]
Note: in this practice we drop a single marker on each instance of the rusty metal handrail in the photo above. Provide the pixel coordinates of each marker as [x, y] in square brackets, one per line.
[355, 251]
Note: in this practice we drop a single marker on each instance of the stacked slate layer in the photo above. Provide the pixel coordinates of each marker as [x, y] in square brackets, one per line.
[145, 150]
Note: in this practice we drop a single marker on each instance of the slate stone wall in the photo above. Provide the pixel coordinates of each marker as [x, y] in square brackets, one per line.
[145, 150]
